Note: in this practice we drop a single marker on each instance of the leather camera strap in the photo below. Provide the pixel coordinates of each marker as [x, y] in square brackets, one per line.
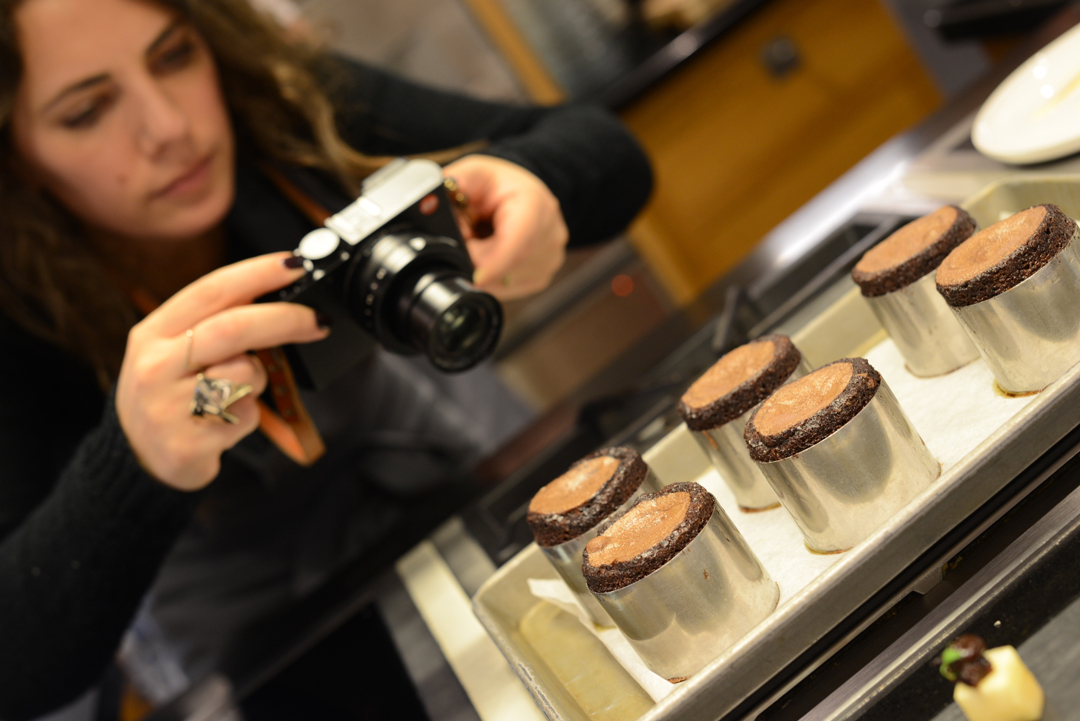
[303, 202]
[290, 428]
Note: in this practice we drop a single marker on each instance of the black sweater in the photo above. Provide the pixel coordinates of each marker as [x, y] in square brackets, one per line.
[83, 529]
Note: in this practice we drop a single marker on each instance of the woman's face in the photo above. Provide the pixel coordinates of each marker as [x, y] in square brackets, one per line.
[120, 116]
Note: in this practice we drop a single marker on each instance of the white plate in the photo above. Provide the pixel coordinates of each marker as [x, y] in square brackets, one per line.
[1034, 116]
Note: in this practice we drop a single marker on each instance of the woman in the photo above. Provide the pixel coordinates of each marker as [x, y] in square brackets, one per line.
[136, 141]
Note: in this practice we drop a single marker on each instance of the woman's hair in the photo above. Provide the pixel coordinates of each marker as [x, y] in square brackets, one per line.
[51, 283]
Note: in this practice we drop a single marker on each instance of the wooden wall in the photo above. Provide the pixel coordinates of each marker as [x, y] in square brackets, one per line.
[737, 150]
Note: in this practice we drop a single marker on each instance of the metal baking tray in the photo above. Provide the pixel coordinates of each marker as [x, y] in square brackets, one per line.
[845, 327]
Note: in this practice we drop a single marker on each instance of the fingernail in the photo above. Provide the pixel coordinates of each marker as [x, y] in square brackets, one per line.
[323, 320]
[294, 261]
[478, 277]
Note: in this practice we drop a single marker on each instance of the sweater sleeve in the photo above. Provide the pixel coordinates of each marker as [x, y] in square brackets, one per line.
[77, 551]
[585, 156]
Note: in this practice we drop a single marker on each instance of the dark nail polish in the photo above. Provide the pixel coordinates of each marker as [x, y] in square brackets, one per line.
[323, 320]
[294, 261]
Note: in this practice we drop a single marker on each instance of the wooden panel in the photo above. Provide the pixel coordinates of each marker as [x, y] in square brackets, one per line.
[736, 150]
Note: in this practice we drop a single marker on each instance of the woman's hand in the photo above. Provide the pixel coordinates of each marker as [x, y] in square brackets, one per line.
[516, 236]
[157, 378]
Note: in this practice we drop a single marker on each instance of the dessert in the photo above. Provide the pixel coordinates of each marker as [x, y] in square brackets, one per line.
[839, 452]
[590, 491]
[912, 252]
[739, 381]
[809, 410]
[896, 278]
[1015, 287]
[1004, 255]
[646, 537]
[678, 579]
[716, 407]
[564, 514]
[991, 684]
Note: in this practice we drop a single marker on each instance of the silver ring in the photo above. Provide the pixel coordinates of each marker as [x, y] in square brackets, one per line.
[213, 396]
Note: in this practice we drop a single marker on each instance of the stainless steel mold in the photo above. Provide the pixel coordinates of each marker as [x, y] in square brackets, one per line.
[726, 449]
[693, 608]
[567, 556]
[1030, 334]
[923, 328]
[845, 487]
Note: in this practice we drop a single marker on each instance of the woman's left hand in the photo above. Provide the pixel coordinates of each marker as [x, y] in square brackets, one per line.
[516, 235]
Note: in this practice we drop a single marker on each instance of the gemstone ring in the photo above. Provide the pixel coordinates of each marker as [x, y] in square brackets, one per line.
[213, 396]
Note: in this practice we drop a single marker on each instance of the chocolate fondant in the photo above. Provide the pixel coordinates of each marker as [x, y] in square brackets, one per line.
[739, 381]
[576, 486]
[912, 251]
[652, 532]
[648, 525]
[1004, 255]
[590, 491]
[805, 412]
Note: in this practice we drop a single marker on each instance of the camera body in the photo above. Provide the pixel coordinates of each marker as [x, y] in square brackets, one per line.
[392, 269]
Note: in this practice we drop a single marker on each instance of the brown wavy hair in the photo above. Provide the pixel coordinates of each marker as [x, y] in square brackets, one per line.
[278, 91]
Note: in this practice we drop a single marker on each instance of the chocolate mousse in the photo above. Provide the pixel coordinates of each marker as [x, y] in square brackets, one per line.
[1004, 255]
[647, 536]
[805, 412]
[590, 491]
[738, 382]
[912, 252]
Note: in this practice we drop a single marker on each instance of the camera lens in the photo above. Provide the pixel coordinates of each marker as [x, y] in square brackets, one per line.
[456, 325]
[460, 328]
[411, 292]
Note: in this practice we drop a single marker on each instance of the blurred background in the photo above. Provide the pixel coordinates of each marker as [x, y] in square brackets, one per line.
[747, 107]
[750, 110]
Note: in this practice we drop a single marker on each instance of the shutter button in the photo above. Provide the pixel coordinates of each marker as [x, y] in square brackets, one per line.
[318, 244]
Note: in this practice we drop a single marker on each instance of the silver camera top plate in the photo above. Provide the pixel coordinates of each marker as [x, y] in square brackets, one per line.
[386, 194]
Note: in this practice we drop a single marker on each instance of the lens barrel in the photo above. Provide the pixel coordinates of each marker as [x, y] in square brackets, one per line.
[412, 292]
[451, 322]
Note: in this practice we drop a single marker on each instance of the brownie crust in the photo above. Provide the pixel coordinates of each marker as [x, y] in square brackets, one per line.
[860, 390]
[612, 577]
[1050, 238]
[900, 276]
[551, 529]
[751, 392]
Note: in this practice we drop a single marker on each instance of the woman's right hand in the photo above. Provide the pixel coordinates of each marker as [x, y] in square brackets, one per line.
[157, 378]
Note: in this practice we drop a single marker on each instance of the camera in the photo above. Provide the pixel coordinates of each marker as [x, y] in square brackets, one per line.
[392, 269]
